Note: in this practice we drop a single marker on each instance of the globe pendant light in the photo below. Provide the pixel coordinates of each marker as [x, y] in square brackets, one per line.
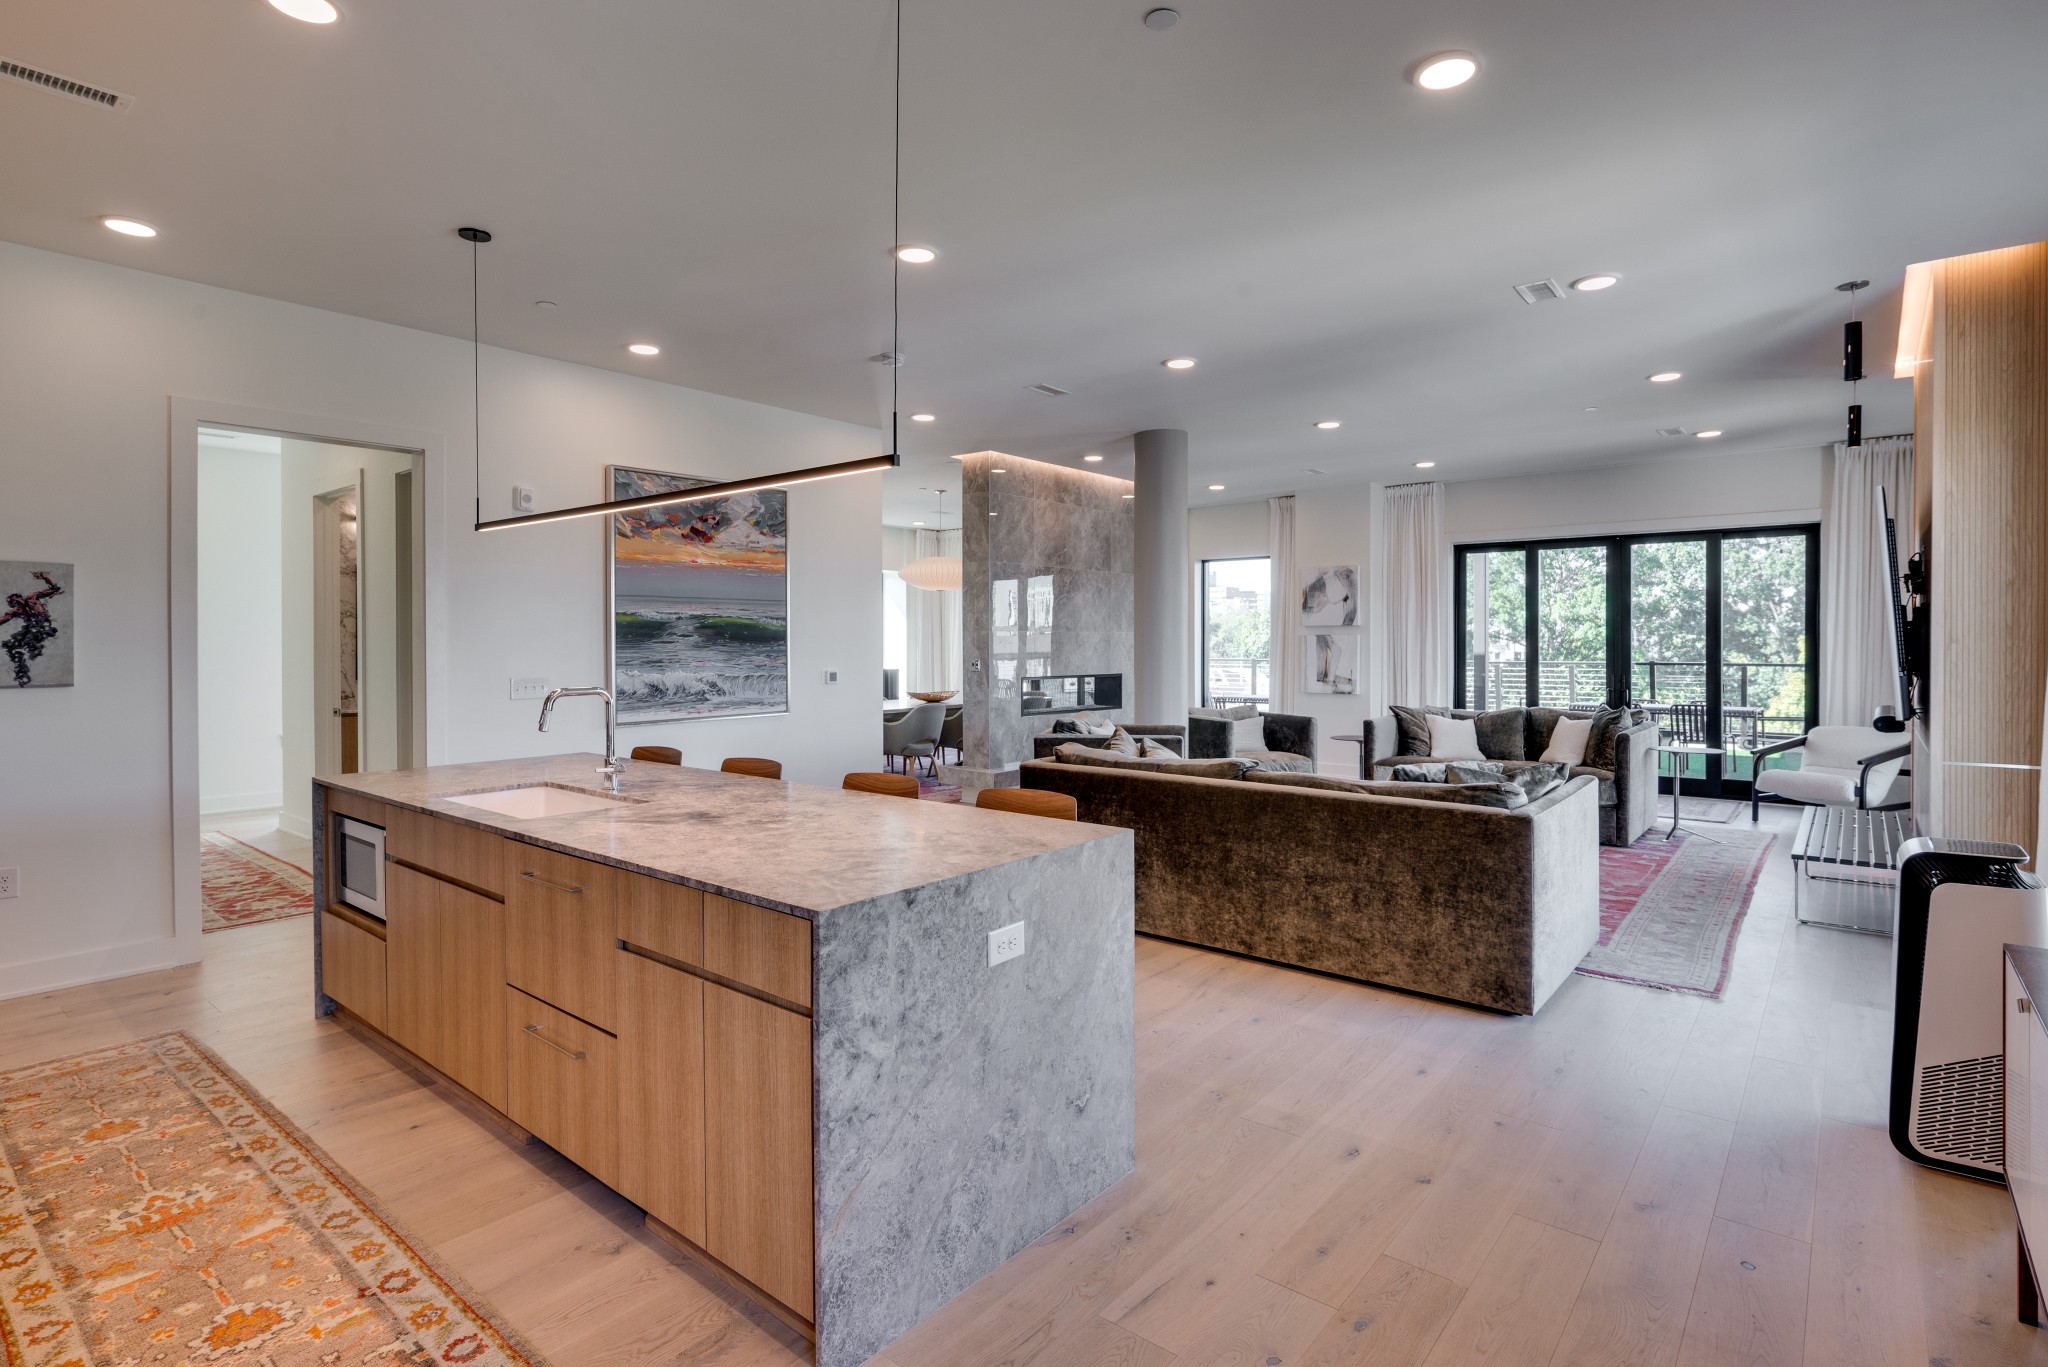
[938, 573]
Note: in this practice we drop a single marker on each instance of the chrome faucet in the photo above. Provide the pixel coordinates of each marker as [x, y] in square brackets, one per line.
[613, 765]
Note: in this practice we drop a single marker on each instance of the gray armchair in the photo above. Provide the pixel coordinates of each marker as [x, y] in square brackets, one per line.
[1290, 741]
[914, 735]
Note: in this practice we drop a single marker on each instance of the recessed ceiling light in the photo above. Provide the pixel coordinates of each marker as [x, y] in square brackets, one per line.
[130, 227]
[1709, 434]
[1179, 363]
[310, 11]
[917, 524]
[1160, 20]
[911, 254]
[1092, 458]
[644, 349]
[1425, 465]
[924, 417]
[1444, 70]
[1664, 377]
[1328, 425]
[1592, 284]
[1592, 410]
[1215, 488]
[546, 305]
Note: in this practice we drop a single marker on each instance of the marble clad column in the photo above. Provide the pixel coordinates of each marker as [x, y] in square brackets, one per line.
[1161, 566]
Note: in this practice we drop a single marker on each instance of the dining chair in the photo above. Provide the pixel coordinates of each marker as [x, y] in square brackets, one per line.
[915, 735]
[753, 768]
[657, 754]
[887, 785]
[1029, 801]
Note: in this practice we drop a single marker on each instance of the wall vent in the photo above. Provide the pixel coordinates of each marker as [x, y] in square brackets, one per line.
[65, 86]
[1050, 389]
[1540, 292]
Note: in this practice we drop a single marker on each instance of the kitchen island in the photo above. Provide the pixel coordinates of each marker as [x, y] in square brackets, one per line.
[764, 1012]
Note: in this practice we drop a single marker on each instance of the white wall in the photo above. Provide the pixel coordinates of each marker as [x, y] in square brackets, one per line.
[240, 643]
[90, 356]
[1336, 525]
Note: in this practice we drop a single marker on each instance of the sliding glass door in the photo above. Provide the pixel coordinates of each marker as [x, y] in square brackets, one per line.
[1718, 625]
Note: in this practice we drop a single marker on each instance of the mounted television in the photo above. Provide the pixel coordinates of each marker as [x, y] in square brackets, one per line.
[1904, 637]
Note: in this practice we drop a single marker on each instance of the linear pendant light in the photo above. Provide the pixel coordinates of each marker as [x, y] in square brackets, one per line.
[811, 475]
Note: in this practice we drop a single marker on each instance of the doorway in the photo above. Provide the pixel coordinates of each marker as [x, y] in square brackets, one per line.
[1722, 620]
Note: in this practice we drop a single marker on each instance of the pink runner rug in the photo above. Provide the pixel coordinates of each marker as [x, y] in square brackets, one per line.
[1670, 910]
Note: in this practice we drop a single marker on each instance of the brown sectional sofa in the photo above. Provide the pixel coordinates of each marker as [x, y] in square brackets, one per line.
[1628, 790]
[1480, 905]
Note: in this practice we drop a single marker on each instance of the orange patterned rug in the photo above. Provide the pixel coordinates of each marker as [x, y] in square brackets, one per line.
[153, 1209]
[240, 885]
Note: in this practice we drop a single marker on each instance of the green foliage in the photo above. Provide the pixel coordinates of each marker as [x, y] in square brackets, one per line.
[1240, 631]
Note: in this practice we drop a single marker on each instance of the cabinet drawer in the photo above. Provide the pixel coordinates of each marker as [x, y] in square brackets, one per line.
[352, 967]
[667, 918]
[561, 932]
[767, 950]
[661, 1093]
[448, 848]
[560, 1083]
[757, 1149]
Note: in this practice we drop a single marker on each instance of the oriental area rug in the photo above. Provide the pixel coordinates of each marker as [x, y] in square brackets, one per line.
[1670, 910]
[240, 885]
[154, 1209]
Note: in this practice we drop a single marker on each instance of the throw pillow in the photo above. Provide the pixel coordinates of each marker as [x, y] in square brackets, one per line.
[1247, 733]
[1066, 726]
[1413, 724]
[1419, 773]
[1095, 757]
[1568, 741]
[1474, 773]
[1453, 738]
[1098, 728]
[1608, 723]
[1500, 733]
[1149, 748]
[1121, 742]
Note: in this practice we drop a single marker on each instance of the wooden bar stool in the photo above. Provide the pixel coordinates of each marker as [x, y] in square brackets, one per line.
[888, 785]
[753, 768]
[1029, 801]
[657, 754]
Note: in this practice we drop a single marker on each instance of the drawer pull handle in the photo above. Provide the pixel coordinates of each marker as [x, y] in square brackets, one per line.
[534, 1030]
[558, 887]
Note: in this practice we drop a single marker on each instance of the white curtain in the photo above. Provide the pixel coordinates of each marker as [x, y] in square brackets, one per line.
[1855, 603]
[1283, 662]
[1415, 597]
[933, 623]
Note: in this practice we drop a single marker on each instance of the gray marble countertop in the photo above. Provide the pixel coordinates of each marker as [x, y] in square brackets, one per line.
[790, 846]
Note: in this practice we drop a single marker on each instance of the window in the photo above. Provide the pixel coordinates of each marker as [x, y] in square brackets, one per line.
[1237, 632]
[1722, 620]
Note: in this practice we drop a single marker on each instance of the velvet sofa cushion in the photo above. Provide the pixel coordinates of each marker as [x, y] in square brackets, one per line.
[1505, 796]
[1278, 761]
[1500, 733]
[1534, 777]
[1190, 768]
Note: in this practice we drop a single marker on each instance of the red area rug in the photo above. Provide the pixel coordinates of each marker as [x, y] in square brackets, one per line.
[931, 790]
[240, 885]
[1670, 910]
[155, 1209]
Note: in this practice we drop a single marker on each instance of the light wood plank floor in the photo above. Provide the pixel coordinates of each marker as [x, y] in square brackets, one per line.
[1330, 1175]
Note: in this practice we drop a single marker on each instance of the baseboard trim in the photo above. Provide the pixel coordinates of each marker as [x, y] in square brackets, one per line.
[302, 827]
[94, 966]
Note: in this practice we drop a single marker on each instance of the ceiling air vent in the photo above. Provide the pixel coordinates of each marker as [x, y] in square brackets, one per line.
[64, 85]
[1052, 390]
[1671, 431]
[1540, 292]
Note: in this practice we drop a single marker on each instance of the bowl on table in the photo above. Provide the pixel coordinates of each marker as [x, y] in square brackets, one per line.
[935, 696]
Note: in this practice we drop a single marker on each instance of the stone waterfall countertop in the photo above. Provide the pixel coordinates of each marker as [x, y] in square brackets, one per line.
[796, 848]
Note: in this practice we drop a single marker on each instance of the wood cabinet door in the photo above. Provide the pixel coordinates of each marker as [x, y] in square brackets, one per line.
[766, 950]
[445, 978]
[661, 1093]
[757, 1149]
[560, 1082]
[352, 965]
[561, 933]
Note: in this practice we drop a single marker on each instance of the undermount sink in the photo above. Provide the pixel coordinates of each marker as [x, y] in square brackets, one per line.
[540, 800]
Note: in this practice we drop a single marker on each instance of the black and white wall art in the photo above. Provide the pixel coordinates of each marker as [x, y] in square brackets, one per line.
[1329, 596]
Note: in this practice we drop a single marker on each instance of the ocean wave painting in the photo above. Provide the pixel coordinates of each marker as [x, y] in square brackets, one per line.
[700, 602]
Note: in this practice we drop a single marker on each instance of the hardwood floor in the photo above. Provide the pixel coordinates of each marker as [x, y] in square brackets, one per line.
[1330, 1175]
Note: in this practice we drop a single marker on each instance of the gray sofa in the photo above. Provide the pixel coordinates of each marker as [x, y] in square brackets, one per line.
[1289, 742]
[1168, 734]
[1517, 735]
[1480, 905]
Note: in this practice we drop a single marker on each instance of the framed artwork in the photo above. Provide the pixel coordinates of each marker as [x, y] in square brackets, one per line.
[1332, 663]
[699, 602]
[1329, 596]
[35, 624]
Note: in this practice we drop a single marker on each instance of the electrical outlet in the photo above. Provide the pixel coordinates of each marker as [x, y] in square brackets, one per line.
[1005, 944]
[10, 883]
[528, 686]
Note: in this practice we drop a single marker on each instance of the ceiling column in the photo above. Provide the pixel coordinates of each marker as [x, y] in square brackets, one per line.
[1160, 571]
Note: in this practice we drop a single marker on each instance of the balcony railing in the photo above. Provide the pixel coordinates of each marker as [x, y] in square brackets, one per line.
[1234, 682]
[1747, 690]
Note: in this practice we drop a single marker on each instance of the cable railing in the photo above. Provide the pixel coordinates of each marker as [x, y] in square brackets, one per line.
[1748, 688]
[1237, 681]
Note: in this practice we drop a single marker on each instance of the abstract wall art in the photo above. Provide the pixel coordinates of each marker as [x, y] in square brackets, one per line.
[699, 602]
[35, 624]
[1332, 663]
[1329, 596]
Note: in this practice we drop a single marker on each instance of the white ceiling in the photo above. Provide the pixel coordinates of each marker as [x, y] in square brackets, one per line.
[1258, 187]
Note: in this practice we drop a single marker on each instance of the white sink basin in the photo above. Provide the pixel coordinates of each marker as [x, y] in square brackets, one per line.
[540, 800]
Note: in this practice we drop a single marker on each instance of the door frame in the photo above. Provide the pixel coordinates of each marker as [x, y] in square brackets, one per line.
[429, 609]
[1619, 635]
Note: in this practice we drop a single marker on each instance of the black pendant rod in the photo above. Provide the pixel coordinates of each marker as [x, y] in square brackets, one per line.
[476, 237]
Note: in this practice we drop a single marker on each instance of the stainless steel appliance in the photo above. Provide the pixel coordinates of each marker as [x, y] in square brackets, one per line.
[359, 865]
